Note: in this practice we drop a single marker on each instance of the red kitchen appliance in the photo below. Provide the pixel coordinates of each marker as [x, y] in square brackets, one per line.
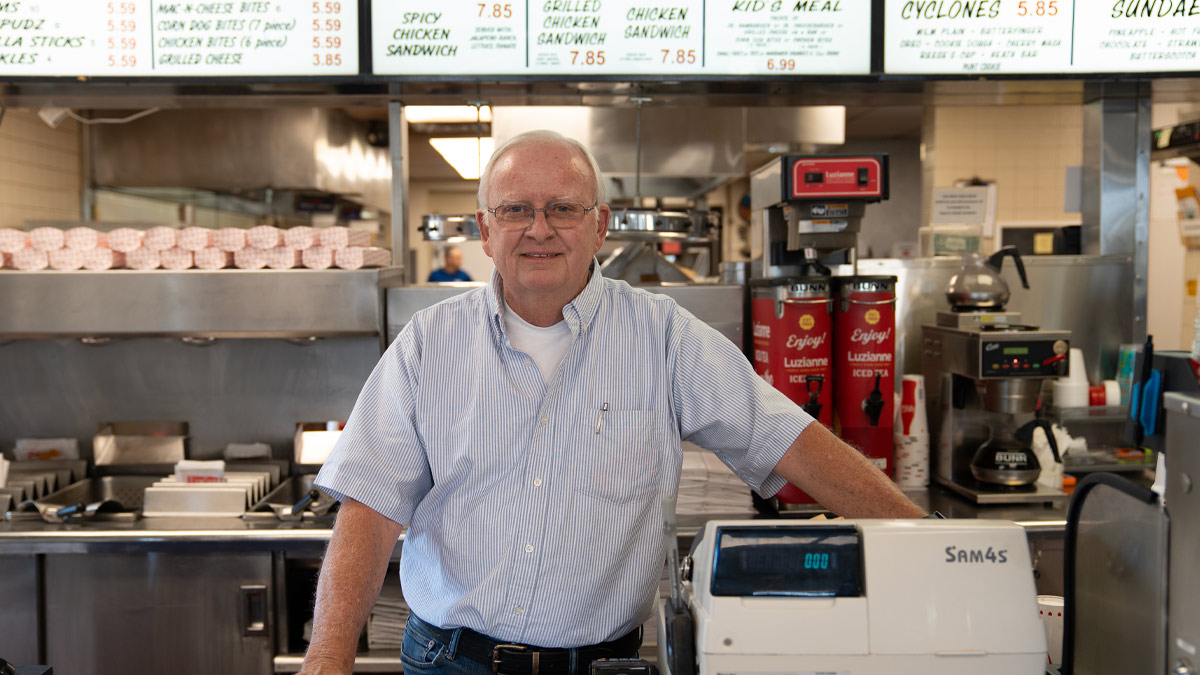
[864, 365]
[811, 207]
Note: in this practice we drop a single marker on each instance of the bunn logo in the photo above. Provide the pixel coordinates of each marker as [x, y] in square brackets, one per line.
[955, 554]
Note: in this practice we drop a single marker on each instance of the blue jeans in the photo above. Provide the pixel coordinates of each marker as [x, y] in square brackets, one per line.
[427, 651]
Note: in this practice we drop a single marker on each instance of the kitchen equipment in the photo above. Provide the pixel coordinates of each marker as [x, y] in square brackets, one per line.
[978, 284]
[1007, 459]
[793, 340]
[140, 442]
[864, 365]
[856, 596]
[815, 203]
[1115, 604]
[984, 378]
[294, 498]
[440, 227]
[1183, 505]
[97, 498]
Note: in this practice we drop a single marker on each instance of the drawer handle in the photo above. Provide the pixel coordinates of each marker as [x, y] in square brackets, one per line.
[254, 610]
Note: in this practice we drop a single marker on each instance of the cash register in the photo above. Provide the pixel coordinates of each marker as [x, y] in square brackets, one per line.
[859, 597]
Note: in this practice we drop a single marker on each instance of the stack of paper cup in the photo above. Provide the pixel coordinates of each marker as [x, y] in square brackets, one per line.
[1050, 608]
[1072, 391]
[912, 434]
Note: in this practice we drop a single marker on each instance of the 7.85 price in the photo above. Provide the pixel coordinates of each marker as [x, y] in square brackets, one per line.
[495, 11]
[679, 56]
[781, 64]
[587, 58]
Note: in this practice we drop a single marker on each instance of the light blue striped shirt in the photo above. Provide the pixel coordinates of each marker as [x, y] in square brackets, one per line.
[524, 523]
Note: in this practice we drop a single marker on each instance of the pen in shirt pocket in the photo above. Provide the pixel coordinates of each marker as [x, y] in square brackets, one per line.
[600, 420]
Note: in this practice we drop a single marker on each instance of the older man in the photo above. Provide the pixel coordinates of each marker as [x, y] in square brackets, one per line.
[532, 485]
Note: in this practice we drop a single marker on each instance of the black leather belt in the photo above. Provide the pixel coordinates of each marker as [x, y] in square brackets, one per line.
[517, 659]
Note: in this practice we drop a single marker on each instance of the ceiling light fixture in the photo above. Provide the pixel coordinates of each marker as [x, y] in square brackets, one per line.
[467, 155]
[446, 114]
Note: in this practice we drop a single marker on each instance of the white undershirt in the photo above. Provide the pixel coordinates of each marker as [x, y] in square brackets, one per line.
[546, 346]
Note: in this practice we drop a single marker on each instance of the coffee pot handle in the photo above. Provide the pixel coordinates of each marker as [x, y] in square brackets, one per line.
[1025, 433]
[996, 260]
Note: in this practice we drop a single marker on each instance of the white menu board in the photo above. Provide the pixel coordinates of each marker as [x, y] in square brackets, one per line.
[621, 37]
[977, 37]
[147, 38]
[1009, 37]
[1119, 36]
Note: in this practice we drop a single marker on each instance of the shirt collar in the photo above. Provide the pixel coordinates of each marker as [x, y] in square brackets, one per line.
[579, 313]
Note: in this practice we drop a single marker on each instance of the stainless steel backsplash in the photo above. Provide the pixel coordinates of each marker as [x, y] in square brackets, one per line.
[1091, 296]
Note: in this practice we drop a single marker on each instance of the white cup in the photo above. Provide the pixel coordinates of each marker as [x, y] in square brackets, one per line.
[1050, 607]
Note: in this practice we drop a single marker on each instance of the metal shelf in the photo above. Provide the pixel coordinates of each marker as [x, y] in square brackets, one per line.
[1095, 413]
[373, 661]
[190, 303]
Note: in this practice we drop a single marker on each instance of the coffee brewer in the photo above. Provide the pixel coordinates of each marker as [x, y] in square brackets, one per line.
[985, 372]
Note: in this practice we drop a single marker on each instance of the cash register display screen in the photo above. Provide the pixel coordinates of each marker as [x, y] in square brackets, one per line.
[807, 562]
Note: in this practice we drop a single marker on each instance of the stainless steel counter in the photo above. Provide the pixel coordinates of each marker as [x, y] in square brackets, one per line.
[236, 534]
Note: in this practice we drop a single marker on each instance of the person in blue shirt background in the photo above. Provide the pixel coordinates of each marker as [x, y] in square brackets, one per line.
[453, 270]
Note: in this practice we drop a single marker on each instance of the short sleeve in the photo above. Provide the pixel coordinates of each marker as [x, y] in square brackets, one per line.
[722, 405]
[380, 458]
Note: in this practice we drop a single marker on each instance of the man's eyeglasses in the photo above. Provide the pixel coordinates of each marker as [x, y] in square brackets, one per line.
[559, 214]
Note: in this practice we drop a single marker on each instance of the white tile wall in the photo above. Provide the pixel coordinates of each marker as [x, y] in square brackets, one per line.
[40, 176]
[1024, 149]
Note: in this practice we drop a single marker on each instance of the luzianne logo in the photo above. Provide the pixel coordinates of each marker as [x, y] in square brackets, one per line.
[866, 337]
[803, 342]
[872, 316]
[807, 322]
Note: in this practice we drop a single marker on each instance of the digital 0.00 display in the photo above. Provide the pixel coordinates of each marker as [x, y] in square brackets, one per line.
[788, 561]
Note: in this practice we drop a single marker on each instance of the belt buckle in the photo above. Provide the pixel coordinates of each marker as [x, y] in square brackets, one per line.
[498, 653]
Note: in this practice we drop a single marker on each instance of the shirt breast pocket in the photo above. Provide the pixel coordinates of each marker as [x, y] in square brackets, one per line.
[621, 464]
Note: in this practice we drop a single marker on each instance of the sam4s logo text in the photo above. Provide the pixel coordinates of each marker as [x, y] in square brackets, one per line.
[955, 554]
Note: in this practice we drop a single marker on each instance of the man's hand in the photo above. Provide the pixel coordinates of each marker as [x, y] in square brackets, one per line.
[351, 576]
[841, 478]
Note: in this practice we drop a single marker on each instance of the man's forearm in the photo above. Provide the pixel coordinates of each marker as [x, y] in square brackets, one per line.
[351, 576]
[841, 478]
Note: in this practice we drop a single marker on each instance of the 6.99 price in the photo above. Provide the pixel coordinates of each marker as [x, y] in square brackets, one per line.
[781, 64]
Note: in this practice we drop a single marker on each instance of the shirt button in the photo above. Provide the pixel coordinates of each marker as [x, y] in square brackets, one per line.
[529, 548]
[527, 362]
[518, 610]
[537, 482]
[544, 419]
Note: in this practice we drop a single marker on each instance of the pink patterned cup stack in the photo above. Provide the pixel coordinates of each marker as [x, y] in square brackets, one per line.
[162, 247]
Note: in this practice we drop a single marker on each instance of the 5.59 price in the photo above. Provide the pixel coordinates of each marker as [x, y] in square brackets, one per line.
[121, 8]
[328, 25]
[781, 64]
[587, 58]
[122, 26]
[679, 56]
[495, 11]
[1037, 8]
[122, 61]
[328, 42]
[327, 8]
